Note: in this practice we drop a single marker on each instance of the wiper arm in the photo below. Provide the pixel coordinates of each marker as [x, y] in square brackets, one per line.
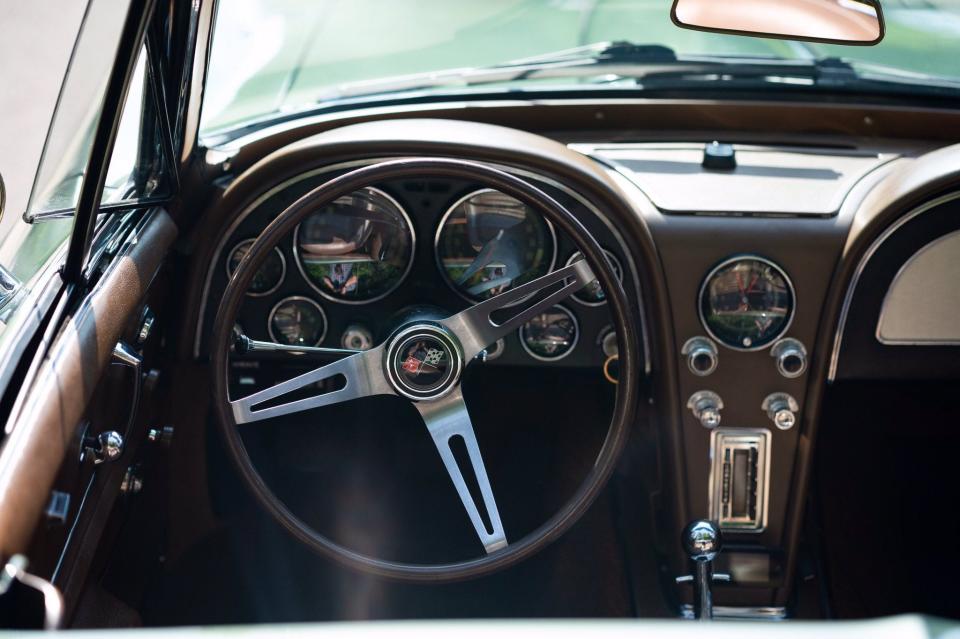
[598, 58]
[653, 67]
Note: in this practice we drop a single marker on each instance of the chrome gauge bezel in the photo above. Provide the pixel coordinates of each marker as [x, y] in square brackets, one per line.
[746, 258]
[617, 268]
[443, 221]
[573, 346]
[400, 280]
[283, 262]
[298, 298]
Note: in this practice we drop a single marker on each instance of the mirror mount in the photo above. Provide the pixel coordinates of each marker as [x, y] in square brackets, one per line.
[847, 22]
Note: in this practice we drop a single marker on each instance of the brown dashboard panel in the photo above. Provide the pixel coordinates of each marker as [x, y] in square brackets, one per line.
[802, 123]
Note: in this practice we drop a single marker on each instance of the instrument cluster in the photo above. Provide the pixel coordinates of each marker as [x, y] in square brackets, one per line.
[352, 269]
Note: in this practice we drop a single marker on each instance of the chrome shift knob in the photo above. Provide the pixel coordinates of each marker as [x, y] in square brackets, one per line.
[702, 540]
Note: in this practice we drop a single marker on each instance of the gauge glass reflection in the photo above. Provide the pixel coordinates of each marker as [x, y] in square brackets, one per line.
[270, 274]
[747, 303]
[592, 294]
[297, 321]
[551, 335]
[489, 242]
[357, 249]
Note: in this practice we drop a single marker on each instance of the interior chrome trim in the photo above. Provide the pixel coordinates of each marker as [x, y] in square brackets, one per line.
[442, 224]
[861, 266]
[887, 309]
[758, 613]
[297, 298]
[576, 336]
[611, 228]
[249, 242]
[403, 277]
[740, 258]
[733, 438]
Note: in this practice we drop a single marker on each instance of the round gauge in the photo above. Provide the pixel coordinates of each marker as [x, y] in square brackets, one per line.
[551, 335]
[592, 294]
[268, 277]
[489, 242]
[297, 321]
[746, 303]
[357, 249]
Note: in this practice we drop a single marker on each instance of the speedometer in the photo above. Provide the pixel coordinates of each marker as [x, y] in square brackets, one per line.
[746, 303]
[357, 249]
[489, 242]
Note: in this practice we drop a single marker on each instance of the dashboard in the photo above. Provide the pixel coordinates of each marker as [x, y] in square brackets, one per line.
[759, 282]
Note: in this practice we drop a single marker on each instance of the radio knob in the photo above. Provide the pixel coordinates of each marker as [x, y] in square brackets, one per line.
[791, 357]
[706, 406]
[701, 354]
[782, 409]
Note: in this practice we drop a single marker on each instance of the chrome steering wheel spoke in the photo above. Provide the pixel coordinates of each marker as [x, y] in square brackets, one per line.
[447, 418]
[475, 327]
[362, 375]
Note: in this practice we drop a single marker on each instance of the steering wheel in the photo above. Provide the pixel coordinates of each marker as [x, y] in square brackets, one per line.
[450, 344]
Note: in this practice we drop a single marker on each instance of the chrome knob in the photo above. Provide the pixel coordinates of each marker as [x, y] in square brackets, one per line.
[782, 410]
[791, 357]
[702, 356]
[706, 406]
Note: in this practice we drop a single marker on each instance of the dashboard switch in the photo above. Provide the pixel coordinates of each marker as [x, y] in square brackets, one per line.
[782, 409]
[701, 354]
[791, 357]
[706, 406]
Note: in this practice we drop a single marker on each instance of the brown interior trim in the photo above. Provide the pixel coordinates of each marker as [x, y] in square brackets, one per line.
[46, 416]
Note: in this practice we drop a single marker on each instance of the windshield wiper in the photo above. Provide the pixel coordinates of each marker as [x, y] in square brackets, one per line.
[657, 67]
[582, 61]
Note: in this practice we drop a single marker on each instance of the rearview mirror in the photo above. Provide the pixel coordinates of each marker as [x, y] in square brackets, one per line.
[857, 22]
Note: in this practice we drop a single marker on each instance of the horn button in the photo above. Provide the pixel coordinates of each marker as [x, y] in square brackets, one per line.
[423, 362]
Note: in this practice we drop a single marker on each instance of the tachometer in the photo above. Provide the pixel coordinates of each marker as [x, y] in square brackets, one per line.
[489, 242]
[746, 303]
[357, 249]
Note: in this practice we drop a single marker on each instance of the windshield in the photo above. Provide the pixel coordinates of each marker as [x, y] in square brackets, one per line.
[274, 56]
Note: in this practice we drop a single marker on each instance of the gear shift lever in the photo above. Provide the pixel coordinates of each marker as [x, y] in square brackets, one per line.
[702, 542]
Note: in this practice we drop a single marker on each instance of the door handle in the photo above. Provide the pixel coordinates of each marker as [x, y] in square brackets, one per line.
[125, 355]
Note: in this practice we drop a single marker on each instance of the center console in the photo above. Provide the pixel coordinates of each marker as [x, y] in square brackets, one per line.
[747, 281]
